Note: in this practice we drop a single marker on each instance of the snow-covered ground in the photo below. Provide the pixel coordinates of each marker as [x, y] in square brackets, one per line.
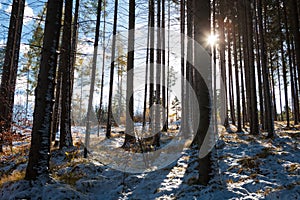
[244, 167]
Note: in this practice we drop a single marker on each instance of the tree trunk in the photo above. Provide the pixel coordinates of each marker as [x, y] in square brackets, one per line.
[146, 73]
[66, 66]
[201, 27]
[39, 154]
[238, 95]
[112, 68]
[259, 77]
[230, 85]
[129, 132]
[224, 111]
[156, 141]
[293, 5]
[57, 106]
[151, 76]
[163, 26]
[102, 71]
[266, 74]
[93, 76]
[284, 67]
[292, 68]
[10, 67]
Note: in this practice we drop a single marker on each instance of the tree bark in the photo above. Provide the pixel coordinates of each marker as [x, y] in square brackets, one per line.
[201, 27]
[66, 66]
[10, 68]
[39, 154]
[93, 76]
[112, 68]
[129, 132]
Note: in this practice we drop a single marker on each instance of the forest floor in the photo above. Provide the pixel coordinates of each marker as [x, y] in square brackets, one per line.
[244, 167]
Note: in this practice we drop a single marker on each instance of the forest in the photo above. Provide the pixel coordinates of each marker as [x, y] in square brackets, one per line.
[157, 99]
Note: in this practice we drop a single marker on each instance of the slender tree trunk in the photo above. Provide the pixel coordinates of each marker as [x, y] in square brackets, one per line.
[295, 76]
[112, 68]
[163, 26]
[74, 43]
[259, 75]
[102, 71]
[280, 99]
[184, 100]
[168, 63]
[230, 85]
[238, 95]
[292, 67]
[244, 114]
[214, 49]
[151, 76]
[93, 76]
[266, 74]
[57, 105]
[146, 74]
[10, 68]
[129, 132]
[284, 68]
[224, 112]
[272, 91]
[156, 140]
[189, 71]
[39, 154]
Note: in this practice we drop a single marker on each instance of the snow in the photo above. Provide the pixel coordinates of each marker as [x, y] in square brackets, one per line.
[244, 167]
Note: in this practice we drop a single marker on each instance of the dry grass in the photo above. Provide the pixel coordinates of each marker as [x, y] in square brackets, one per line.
[16, 176]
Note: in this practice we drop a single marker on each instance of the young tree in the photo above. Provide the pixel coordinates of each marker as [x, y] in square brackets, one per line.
[39, 154]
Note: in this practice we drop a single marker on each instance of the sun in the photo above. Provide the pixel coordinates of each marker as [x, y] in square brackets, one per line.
[212, 39]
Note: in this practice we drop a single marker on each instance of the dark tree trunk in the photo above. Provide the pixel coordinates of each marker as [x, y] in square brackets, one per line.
[74, 43]
[259, 75]
[66, 66]
[10, 68]
[182, 64]
[244, 109]
[57, 106]
[293, 4]
[146, 74]
[201, 27]
[189, 71]
[39, 154]
[129, 132]
[284, 67]
[291, 67]
[151, 76]
[230, 83]
[224, 111]
[156, 141]
[163, 26]
[266, 74]
[238, 95]
[280, 99]
[112, 68]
